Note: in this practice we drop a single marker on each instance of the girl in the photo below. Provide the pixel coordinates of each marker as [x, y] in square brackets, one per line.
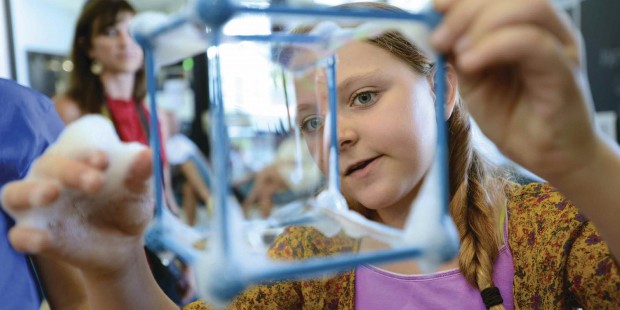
[516, 64]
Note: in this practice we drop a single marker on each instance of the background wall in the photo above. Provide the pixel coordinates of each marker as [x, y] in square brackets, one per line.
[600, 25]
[5, 64]
[41, 27]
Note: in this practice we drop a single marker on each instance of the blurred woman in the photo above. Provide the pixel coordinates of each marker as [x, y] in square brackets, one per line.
[109, 78]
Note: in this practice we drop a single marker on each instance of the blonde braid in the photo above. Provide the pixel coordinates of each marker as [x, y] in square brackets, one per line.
[472, 205]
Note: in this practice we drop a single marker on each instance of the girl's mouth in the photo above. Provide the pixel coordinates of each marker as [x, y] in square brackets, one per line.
[359, 165]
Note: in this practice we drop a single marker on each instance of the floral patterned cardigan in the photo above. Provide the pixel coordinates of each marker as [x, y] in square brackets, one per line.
[560, 261]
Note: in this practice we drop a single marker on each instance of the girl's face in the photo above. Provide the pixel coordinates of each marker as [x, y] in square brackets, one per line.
[115, 49]
[386, 127]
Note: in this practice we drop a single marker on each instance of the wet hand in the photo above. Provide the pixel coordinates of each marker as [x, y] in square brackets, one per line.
[85, 201]
[61, 213]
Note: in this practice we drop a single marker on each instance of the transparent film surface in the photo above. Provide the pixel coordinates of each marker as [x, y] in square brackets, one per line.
[326, 152]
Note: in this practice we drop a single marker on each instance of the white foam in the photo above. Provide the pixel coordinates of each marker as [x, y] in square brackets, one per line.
[77, 140]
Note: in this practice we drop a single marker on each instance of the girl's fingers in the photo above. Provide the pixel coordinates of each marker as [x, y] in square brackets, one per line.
[29, 240]
[96, 158]
[514, 13]
[70, 173]
[456, 21]
[139, 172]
[21, 196]
[511, 45]
[443, 5]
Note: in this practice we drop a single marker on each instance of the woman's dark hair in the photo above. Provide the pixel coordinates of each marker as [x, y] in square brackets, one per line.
[84, 86]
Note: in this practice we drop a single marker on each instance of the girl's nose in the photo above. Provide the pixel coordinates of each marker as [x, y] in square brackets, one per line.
[347, 135]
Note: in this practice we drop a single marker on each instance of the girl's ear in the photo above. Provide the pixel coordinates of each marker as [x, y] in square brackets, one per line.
[452, 90]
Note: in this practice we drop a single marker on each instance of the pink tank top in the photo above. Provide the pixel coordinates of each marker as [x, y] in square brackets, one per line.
[380, 289]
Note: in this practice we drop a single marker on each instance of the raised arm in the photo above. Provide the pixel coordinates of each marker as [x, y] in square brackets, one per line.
[520, 70]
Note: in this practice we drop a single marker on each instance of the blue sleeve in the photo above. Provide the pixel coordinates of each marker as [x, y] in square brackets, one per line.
[28, 125]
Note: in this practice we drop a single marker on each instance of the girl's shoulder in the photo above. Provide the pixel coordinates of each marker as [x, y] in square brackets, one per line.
[295, 243]
[302, 242]
[560, 259]
[540, 218]
[536, 204]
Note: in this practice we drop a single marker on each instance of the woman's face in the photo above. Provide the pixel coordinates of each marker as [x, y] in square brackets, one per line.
[115, 49]
[386, 127]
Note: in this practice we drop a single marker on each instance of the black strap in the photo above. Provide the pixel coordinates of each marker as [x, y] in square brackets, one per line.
[491, 297]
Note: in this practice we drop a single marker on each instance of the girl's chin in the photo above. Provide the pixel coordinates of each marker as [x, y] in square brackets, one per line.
[373, 204]
[379, 200]
[369, 201]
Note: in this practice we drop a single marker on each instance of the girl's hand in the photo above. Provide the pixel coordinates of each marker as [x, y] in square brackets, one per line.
[100, 236]
[519, 66]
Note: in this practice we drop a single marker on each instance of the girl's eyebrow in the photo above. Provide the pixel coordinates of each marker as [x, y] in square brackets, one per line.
[303, 107]
[352, 81]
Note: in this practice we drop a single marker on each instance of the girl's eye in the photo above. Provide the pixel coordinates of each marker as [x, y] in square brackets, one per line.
[311, 124]
[365, 98]
[110, 32]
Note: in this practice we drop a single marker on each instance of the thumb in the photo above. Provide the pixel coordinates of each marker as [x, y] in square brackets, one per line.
[29, 240]
[140, 172]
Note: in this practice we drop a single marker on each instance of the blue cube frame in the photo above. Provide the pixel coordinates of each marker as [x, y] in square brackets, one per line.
[215, 14]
